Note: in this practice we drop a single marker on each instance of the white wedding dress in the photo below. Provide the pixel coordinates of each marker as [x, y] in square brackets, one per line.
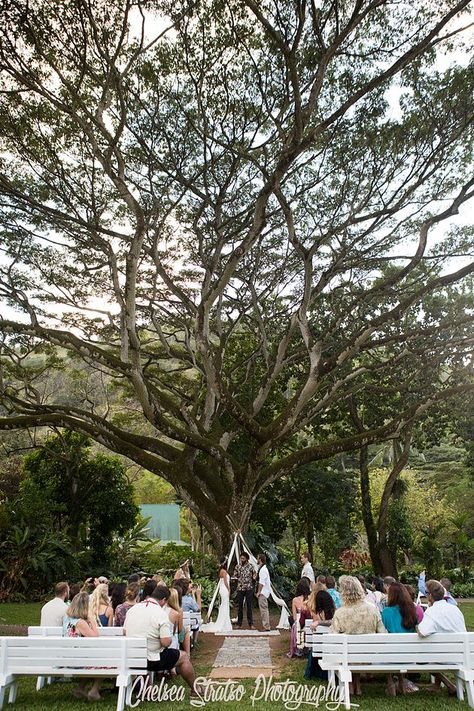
[223, 623]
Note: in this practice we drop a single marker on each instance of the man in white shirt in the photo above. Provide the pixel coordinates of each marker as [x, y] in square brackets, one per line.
[263, 590]
[307, 571]
[148, 619]
[53, 612]
[440, 616]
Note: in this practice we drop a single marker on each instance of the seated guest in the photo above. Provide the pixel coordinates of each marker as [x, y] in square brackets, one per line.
[101, 609]
[132, 595]
[78, 622]
[387, 581]
[117, 596]
[446, 583]
[418, 608]
[379, 593]
[134, 578]
[355, 616]
[324, 613]
[331, 588]
[321, 579]
[369, 595]
[297, 605]
[440, 616]
[399, 615]
[53, 612]
[191, 601]
[148, 619]
[181, 637]
[74, 589]
[147, 589]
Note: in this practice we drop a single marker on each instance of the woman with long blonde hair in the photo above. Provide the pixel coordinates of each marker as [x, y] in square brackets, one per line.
[78, 622]
[100, 607]
[181, 636]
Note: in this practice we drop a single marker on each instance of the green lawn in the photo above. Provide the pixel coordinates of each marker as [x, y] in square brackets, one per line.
[57, 697]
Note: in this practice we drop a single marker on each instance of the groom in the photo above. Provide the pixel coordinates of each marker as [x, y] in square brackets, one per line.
[244, 573]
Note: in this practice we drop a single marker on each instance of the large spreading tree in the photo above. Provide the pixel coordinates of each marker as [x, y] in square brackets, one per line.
[240, 215]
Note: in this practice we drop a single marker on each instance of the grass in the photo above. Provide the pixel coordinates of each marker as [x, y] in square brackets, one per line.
[57, 697]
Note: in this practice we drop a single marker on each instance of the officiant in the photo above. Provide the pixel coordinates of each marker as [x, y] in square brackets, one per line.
[244, 573]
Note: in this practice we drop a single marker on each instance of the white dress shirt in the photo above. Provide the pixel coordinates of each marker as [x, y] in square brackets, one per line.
[264, 579]
[441, 617]
[308, 571]
[53, 612]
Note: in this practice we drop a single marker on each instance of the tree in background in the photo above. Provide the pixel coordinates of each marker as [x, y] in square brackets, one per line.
[223, 209]
[87, 497]
[315, 503]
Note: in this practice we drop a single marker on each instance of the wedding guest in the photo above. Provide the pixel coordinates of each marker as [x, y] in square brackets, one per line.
[440, 616]
[446, 583]
[78, 622]
[74, 589]
[117, 596]
[324, 609]
[370, 597]
[101, 609]
[379, 593]
[307, 571]
[399, 615]
[183, 571]
[181, 638]
[418, 608]
[147, 589]
[297, 605]
[356, 616]
[52, 612]
[132, 596]
[263, 590]
[331, 588]
[149, 619]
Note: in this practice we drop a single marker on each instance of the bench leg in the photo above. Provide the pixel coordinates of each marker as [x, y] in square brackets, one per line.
[40, 683]
[2, 696]
[12, 692]
[459, 688]
[470, 693]
[121, 698]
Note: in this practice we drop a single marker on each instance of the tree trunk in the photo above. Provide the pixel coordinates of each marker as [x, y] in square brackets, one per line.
[387, 561]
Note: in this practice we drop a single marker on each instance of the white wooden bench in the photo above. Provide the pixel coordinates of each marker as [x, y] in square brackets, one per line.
[192, 620]
[58, 631]
[344, 655]
[86, 657]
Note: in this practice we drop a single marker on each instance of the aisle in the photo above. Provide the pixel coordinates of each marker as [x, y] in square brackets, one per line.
[243, 656]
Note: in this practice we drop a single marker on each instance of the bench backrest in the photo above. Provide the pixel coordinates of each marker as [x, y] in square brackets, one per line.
[93, 655]
[58, 631]
[192, 619]
[372, 649]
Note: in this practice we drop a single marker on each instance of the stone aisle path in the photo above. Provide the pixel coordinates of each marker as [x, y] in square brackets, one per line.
[243, 656]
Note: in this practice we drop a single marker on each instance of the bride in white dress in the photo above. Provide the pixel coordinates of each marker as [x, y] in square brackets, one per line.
[223, 623]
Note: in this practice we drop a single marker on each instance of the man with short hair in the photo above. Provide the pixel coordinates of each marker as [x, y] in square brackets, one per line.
[440, 616]
[307, 571]
[149, 619]
[53, 612]
[263, 590]
[446, 583]
[244, 573]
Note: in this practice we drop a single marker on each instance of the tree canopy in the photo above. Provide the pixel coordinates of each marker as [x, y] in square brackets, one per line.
[239, 217]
